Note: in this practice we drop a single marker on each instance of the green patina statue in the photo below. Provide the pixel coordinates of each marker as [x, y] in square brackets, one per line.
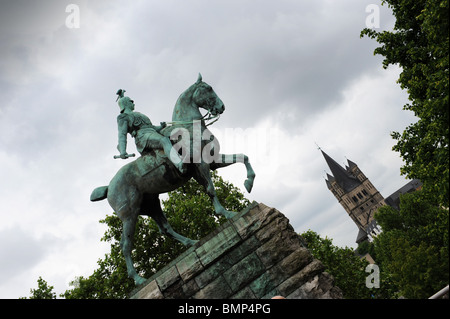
[163, 167]
[146, 135]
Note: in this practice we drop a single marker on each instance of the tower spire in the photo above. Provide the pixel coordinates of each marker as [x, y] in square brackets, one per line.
[318, 147]
[341, 175]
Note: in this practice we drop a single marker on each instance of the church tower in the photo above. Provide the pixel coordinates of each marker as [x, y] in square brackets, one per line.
[356, 194]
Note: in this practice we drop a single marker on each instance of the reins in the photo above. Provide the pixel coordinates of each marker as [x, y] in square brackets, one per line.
[204, 118]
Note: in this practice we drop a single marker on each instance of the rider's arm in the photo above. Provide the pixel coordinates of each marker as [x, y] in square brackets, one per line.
[159, 128]
[122, 124]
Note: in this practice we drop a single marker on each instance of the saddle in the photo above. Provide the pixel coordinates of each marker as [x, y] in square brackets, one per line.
[150, 161]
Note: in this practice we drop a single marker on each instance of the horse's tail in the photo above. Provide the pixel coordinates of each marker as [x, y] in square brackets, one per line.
[99, 193]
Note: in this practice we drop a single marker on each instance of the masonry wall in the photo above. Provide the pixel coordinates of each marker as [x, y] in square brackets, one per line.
[255, 255]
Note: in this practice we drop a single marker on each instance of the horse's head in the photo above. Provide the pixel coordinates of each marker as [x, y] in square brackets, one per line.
[205, 97]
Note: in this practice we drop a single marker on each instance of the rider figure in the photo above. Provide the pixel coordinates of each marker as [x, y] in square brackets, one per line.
[146, 135]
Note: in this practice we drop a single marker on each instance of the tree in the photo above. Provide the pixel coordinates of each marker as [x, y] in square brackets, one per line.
[190, 213]
[413, 246]
[347, 268]
[419, 45]
[44, 291]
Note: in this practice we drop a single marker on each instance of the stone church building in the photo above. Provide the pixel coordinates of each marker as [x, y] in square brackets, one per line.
[359, 196]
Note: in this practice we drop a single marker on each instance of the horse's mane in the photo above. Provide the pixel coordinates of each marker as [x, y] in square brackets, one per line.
[184, 100]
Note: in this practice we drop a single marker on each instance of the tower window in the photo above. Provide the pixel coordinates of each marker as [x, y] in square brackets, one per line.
[359, 195]
[355, 199]
[364, 192]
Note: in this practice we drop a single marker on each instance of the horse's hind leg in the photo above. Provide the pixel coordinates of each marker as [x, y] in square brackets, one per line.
[126, 243]
[153, 206]
[126, 203]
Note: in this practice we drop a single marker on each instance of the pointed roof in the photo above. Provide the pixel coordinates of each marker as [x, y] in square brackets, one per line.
[362, 235]
[328, 180]
[340, 174]
[351, 164]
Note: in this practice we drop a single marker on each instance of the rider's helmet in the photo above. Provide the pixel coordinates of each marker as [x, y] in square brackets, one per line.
[122, 100]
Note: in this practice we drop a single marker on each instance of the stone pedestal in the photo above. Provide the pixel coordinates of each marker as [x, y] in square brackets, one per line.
[255, 255]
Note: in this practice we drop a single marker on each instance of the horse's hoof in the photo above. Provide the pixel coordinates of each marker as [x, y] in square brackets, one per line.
[138, 280]
[229, 214]
[191, 243]
[248, 185]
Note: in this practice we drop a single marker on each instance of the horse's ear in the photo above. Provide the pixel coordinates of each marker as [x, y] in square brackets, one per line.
[199, 79]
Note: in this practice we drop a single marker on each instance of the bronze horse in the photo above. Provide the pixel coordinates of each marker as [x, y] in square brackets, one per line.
[135, 189]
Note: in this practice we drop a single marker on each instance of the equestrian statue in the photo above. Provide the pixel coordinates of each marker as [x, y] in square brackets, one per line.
[171, 154]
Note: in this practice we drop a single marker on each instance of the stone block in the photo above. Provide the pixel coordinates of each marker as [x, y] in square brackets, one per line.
[245, 248]
[227, 261]
[189, 266]
[167, 278]
[278, 247]
[262, 285]
[190, 288]
[212, 272]
[298, 279]
[295, 261]
[217, 289]
[256, 254]
[254, 220]
[321, 286]
[218, 245]
[243, 272]
[150, 291]
[245, 293]
[327, 289]
[279, 223]
[175, 291]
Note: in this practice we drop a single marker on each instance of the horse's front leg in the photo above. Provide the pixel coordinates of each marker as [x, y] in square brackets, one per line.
[224, 160]
[203, 177]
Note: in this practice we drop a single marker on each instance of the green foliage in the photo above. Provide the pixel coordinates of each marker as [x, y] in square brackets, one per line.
[44, 291]
[413, 247]
[347, 268]
[189, 212]
[419, 44]
[366, 247]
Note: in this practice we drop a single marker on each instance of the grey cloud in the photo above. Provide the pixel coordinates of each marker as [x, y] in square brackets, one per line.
[19, 251]
[263, 57]
[287, 61]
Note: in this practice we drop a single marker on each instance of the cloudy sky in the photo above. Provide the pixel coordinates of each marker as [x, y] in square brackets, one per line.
[292, 73]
